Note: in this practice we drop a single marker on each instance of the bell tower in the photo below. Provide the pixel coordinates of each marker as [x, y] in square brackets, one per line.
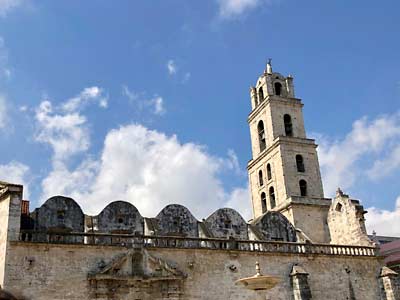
[284, 171]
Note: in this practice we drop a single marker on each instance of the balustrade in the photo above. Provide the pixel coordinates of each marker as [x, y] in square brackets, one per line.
[129, 240]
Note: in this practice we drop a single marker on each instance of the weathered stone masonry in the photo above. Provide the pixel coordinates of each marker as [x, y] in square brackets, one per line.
[317, 247]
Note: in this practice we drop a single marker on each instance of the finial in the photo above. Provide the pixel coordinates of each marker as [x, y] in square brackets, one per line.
[269, 66]
[258, 270]
[339, 192]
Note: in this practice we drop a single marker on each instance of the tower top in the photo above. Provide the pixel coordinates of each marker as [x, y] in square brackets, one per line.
[271, 84]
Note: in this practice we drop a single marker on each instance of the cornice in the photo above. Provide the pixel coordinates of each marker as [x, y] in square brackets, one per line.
[281, 140]
[7, 188]
[304, 201]
[270, 98]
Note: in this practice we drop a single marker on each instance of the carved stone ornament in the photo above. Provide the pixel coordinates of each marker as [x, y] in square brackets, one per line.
[136, 274]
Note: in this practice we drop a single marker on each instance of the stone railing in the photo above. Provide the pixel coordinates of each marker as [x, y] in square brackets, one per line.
[132, 241]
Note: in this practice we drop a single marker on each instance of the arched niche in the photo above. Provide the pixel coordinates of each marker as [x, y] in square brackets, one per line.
[273, 226]
[176, 220]
[120, 217]
[59, 214]
[226, 223]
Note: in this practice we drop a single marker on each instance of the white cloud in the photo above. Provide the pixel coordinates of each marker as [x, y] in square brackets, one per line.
[139, 100]
[63, 181]
[186, 77]
[5, 71]
[66, 130]
[132, 96]
[103, 103]
[158, 106]
[229, 9]
[7, 5]
[339, 158]
[149, 169]
[66, 133]
[16, 172]
[385, 166]
[173, 70]
[88, 95]
[384, 222]
[233, 162]
[172, 67]
[3, 112]
[239, 199]
[64, 127]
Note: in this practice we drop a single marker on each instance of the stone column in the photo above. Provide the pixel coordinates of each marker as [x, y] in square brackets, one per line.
[299, 283]
[389, 284]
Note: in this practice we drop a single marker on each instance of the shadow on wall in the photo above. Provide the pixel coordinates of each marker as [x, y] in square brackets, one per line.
[4, 295]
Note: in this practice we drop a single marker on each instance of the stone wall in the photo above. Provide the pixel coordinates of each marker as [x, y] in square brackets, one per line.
[274, 158]
[346, 221]
[4, 208]
[120, 217]
[227, 223]
[59, 214]
[43, 271]
[274, 226]
[176, 220]
[311, 219]
[307, 149]
[10, 211]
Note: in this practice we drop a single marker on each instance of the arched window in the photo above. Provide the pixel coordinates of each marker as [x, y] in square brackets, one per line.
[263, 202]
[303, 188]
[278, 88]
[260, 178]
[272, 197]
[287, 120]
[261, 135]
[300, 163]
[269, 173]
[339, 207]
[260, 95]
[255, 101]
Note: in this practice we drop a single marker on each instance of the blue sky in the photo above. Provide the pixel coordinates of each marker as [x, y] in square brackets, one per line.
[147, 101]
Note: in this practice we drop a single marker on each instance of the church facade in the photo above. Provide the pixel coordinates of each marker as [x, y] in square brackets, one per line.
[311, 246]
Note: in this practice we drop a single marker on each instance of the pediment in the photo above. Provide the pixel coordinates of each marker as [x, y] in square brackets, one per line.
[137, 265]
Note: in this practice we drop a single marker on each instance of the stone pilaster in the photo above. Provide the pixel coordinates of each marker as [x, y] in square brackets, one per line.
[389, 284]
[299, 283]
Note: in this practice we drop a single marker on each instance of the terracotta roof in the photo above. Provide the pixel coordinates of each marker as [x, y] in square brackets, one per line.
[391, 251]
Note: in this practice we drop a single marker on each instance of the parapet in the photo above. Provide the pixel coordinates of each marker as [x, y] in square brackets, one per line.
[273, 226]
[227, 222]
[59, 214]
[120, 217]
[176, 220]
[63, 215]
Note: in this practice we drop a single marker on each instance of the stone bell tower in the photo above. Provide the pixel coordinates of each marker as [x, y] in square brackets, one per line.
[284, 172]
